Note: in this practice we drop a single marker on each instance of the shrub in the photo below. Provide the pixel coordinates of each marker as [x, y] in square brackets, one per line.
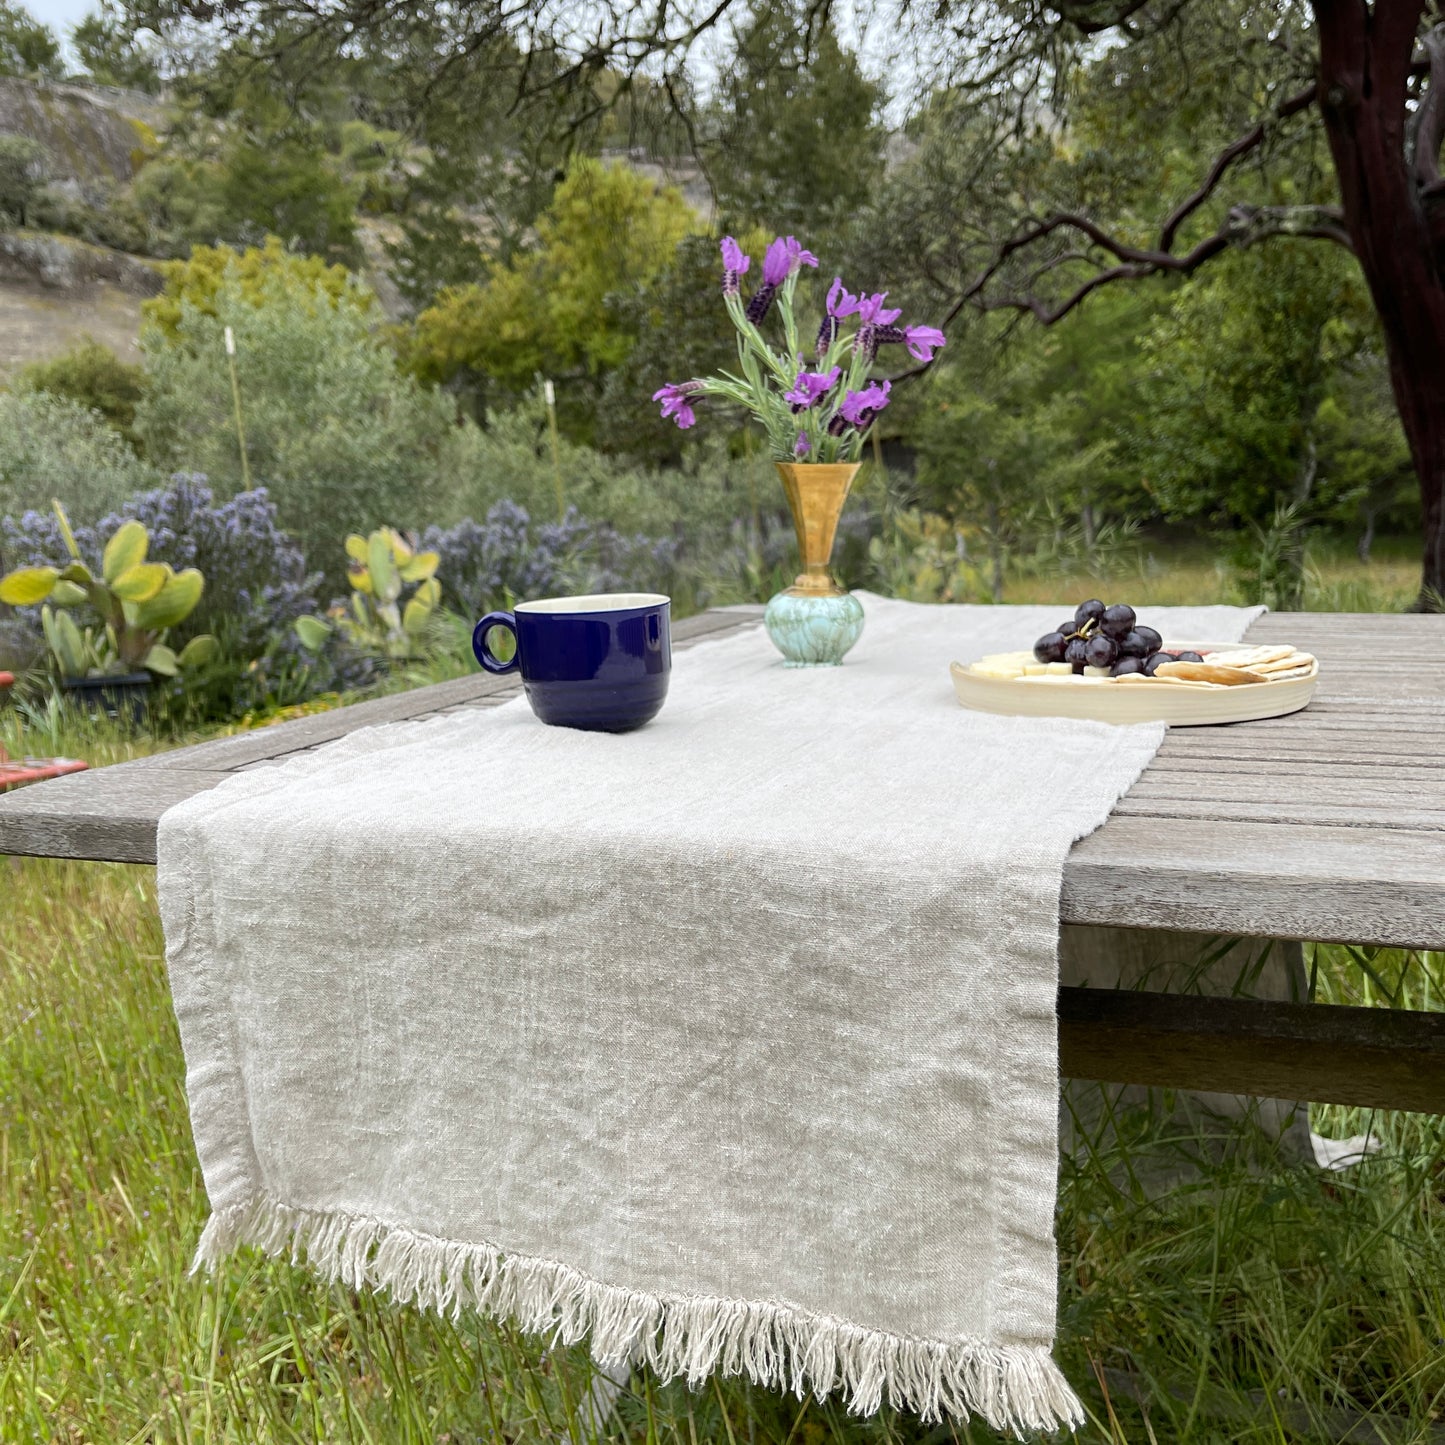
[511, 460]
[257, 585]
[51, 446]
[246, 188]
[22, 173]
[508, 557]
[334, 427]
[93, 376]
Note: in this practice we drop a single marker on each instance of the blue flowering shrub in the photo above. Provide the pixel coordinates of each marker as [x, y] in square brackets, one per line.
[257, 584]
[509, 557]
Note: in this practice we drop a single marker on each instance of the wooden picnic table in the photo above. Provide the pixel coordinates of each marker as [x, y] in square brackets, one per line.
[1328, 825]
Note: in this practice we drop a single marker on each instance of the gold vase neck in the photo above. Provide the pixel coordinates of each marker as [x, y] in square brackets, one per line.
[816, 493]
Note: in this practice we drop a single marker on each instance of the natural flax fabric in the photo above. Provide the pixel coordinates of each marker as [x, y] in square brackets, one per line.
[729, 1042]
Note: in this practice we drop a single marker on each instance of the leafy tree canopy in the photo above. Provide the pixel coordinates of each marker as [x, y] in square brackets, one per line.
[258, 274]
[26, 46]
[793, 137]
[606, 233]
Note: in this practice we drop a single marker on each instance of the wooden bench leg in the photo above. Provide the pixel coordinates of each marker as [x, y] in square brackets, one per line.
[1180, 1133]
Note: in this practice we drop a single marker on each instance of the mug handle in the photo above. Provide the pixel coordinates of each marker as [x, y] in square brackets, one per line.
[479, 641]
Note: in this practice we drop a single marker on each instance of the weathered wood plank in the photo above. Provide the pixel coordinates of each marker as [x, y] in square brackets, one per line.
[1373, 1058]
[1256, 879]
[302, 734]
[109, 814]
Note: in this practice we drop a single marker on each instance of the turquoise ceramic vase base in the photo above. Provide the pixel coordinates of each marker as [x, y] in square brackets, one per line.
[813, 631]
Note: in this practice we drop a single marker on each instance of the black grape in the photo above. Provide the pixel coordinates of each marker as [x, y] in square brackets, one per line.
[1089, 611]
[1127, 665]
[1101, 651]
[1152, 641]
[1050, 647]
[1117, 621]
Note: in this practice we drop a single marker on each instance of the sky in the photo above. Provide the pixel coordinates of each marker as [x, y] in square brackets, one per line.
[59, 15]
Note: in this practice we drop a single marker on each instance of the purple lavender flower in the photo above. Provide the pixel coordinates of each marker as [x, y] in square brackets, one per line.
[777, 263]
[798, 257]
[810, 388]
[841, 301]
[785, 254]
[872, 311]
[736, 261]
[802, 446]
[675, 399]
[761, 300]
[860, 407]
[923, 341]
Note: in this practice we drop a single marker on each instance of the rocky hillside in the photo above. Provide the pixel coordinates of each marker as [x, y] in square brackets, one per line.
[55, 290]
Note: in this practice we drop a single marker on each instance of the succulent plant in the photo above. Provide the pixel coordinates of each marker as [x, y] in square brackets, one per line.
[382, 620]
[135, 602]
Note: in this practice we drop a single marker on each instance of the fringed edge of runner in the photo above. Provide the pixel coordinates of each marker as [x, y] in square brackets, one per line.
[780, 1346]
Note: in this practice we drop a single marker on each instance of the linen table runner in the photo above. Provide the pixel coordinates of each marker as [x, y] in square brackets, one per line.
[730, 1042]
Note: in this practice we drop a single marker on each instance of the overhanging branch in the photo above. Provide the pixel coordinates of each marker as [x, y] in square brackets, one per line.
[1244, 226]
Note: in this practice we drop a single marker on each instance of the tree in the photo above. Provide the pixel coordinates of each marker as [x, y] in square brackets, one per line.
[343, 439]
[1367, 80]
[26, 46]
[22, 174]
[607, 233]
[793, 141]
[1240, 369]
[111, 54]
[93, 376]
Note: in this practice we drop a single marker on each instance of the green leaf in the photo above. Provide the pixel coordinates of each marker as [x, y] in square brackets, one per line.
[68, 594]
[162, 660]
[126, 549]
[313, 632]
[172, 604]
[384, 581]
[420, 568]
[27, 585]
[65, 528]
[356, 548]
[429, 594]
[78, 573]
[200, 650]
[140, 583]
[63, 638]
[414, 620]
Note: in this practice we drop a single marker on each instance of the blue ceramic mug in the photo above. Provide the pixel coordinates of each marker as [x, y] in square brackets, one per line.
[598, 662]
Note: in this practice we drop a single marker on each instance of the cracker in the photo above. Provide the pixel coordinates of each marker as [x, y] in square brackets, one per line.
[1207, 672]
[1250, 657]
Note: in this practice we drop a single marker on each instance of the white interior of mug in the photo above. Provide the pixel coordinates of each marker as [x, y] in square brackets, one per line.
[597, 602]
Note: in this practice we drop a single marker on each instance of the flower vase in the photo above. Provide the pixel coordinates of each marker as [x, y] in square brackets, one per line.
[815, 622]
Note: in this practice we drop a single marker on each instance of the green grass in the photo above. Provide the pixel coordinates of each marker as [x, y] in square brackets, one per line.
[1256, 1305]
[1168, 571]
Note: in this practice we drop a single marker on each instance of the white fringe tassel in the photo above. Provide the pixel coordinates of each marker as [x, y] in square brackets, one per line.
[1017, 1387]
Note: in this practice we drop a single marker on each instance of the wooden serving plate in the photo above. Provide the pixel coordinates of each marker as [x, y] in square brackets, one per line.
[1110, 701]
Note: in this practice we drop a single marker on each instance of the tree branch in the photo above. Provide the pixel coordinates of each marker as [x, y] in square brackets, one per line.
[1249, 141]
[1245, 226]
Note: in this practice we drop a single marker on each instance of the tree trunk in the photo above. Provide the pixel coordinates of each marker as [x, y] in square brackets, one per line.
[1397, 228]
